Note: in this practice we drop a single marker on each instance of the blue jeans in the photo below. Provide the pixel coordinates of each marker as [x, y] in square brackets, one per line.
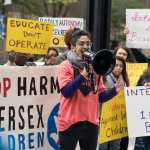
[83, 132]
[139, 144]
[142, 143]
[111, 145]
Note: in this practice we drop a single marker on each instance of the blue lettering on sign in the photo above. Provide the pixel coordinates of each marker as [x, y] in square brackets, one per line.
[2, 129]
[40, 139]
[11, 142]
[52, 129]
[3, 144]
[31, 140]
[21, 141]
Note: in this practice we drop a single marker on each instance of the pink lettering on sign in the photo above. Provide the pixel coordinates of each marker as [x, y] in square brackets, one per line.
[132, 36]
[137, 17]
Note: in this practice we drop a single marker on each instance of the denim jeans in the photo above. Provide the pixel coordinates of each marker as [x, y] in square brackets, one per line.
[139, 144]
[111, 145]
[142, 143]
[147, 142]
[83, 132]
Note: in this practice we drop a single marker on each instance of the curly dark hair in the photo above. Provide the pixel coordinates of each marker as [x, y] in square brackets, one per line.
[68, 36]
[77, 34]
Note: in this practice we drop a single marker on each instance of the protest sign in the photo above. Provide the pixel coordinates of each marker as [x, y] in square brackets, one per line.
[28, 36]
[138, 111]
[29, 103]
[61, 25]
[134, 71]
[137, 21]
[113, 123]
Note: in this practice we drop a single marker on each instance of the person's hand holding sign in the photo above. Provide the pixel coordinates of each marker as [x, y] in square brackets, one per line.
[119, 85]
[147, 84]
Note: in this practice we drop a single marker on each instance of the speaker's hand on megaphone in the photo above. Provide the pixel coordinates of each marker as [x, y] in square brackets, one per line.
[119, 85]
[85, 73]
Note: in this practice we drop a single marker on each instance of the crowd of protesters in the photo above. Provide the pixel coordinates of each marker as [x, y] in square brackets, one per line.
[77, 98]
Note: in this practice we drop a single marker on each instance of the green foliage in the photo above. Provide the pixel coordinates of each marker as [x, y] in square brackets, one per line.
[119, 14]
[1, 1]
[42, 7]
[29, 6]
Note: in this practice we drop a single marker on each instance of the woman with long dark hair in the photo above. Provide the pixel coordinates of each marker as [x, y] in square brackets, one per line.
[118, 73]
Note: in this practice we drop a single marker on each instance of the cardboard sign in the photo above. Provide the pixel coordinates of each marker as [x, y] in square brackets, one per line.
[28, 36]
[138, 111]
[137, 21]
[29, 103]
[61, 25]
[134, 71]
[113, 124]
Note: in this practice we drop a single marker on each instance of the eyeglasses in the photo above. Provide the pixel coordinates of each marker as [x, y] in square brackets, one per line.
[82, 44]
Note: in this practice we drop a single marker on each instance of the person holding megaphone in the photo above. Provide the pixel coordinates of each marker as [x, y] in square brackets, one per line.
[81, 89]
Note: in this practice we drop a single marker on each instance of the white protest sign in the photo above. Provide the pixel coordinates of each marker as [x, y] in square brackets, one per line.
[61, 25]
[138, 111]
[29, 102]
[138, 23]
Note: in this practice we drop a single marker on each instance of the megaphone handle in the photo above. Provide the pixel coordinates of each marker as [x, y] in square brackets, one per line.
[93, 82]
[86, 67]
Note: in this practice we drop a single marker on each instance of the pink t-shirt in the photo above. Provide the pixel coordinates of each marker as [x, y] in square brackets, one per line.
[78, 107]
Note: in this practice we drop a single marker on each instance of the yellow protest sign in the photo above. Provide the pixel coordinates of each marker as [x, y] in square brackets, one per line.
[113, 122]
[28, 36]
[134, 71]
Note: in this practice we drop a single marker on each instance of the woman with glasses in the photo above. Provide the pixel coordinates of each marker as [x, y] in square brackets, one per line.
[78, 116]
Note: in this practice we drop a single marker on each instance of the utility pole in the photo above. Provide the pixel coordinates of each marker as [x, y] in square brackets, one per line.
[99, 23]
[2, 8]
